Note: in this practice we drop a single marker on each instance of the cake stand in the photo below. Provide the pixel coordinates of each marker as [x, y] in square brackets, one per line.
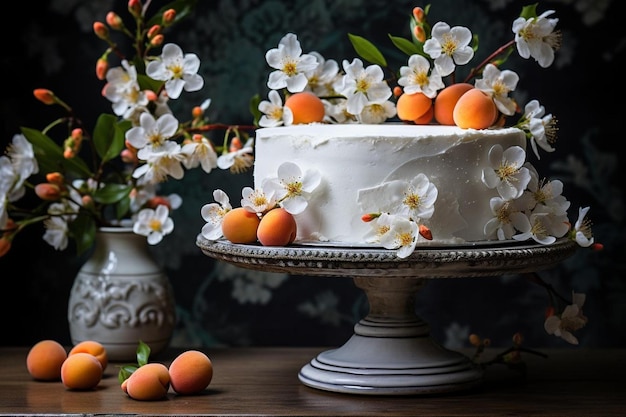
[391, 351]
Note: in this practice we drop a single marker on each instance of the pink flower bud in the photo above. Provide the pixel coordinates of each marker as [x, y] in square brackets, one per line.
[157, 40]
[47, 191]
[168, 17]
[102, 66]
[425, 232]
[114, 20]
[153, 31]
[418, 14]
[55, 178]
[44, 95]
[101, 30]
[197, 112]
[419, 33]
[134, 7]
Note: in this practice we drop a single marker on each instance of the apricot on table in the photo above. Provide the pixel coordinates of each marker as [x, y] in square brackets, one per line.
[411, 107]
[94, 348]
[191, 372]
[446, 100]
[81, 371]
[475, 109]
[240, 225]
[306, 107]
[425, 118]
[148, 383]
[277, 228]
[45, 359]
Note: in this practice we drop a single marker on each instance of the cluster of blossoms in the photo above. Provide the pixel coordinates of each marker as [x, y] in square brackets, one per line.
[133, 150]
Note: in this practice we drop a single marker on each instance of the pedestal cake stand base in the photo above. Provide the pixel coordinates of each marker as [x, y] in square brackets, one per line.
[391, 351]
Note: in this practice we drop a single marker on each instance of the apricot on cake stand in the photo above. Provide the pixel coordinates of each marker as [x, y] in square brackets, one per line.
[391, 351]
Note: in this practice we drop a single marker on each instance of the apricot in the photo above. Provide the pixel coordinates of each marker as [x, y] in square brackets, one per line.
[425, 118]
[81, 371]
[411, 107]
[240, 225]
[148, 383]
[475, 109]
[94, 348]
[45, 359]
[306, 107]
[277, 228]
[446, 100]
[191, 372]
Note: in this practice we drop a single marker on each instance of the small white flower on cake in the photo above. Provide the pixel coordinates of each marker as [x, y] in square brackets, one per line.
[536, 37]
[544, 227]
[257, 201]
[321, 80]
[449, 46]
[401, 235]
[177, 70]
[362, 86]
[415, 77]
[506, 172]
[213, 214]
[292, 187]
[154, 223]
[291, 65]
[507, 219]
[547, 194]
[498, 84]
[376, 112]
[541, 126]
[274, 113]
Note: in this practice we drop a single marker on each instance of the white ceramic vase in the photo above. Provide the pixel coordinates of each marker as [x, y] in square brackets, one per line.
[121, 296]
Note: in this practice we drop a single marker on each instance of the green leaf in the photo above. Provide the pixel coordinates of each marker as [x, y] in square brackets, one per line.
[147, 83]
[183, 9]
[83, 229]
[406, 46]
[125, 372]
[529, 12]
[366, 50]
[122, 208]
[108, 137]
[143, 353]
[50, 157]
[111, 193]
[254, 109]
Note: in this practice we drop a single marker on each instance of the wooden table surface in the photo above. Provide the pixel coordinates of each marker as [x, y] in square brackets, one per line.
[264, 381]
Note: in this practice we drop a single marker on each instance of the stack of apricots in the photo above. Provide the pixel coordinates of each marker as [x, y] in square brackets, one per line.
[83, 366]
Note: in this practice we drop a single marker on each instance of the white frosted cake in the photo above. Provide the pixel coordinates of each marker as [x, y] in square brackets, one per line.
[355, 158]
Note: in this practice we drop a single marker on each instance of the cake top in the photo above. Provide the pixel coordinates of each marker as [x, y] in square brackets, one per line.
[305, 87]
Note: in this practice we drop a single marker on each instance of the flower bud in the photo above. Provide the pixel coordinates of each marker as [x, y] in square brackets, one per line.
[114, 20]
[55, 178]
[157, 40]
[134, 7]
[397, 91]
[47, 191]
[158, 200]
[418, 14]
[474, 340]
[168, 17]
[87, 201]
[77, 135]
[151, 95]
[153, 31]
[101, 30]
[420, 34]
[102, 67]
[5, 245]
[197, 112]
[128, 156]
[518, 338]
[44, 95]
[235, 144]
[425, 232]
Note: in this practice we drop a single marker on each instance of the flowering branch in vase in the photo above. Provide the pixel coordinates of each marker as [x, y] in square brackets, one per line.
[110, 175]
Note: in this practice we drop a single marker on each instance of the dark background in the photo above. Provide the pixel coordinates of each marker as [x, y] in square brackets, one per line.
[54, 47]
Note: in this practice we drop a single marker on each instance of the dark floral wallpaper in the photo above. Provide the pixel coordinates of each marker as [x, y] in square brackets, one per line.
[220, 305]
